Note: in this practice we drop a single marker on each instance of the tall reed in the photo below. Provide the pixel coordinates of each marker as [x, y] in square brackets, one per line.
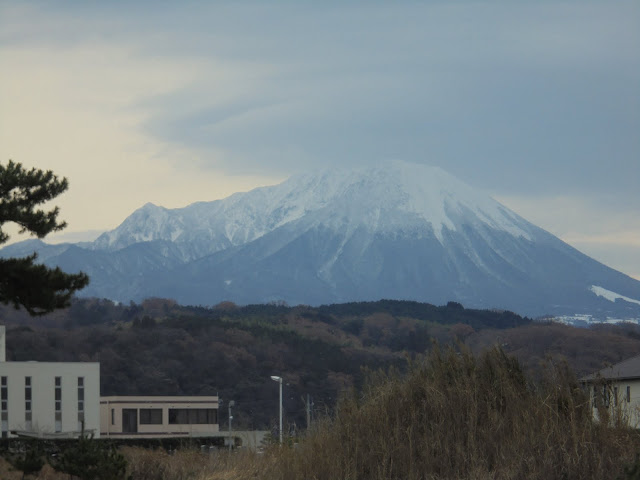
[456, 416]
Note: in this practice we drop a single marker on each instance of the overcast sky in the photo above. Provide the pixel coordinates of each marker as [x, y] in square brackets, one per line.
[537, 103]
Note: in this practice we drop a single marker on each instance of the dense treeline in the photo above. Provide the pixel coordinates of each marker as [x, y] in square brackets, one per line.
[161, 348]
[93, 311]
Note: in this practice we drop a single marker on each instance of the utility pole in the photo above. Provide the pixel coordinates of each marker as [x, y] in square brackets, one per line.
[278, 379]
[231, 404]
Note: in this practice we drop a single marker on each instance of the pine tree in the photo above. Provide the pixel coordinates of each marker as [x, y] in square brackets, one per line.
[30, 462]
[89, 459]
[23, 282]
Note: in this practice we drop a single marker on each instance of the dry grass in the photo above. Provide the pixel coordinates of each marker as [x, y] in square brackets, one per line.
[456, 416]
[144, 464]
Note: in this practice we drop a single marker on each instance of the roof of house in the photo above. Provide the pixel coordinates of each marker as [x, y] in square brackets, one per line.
[627, 369]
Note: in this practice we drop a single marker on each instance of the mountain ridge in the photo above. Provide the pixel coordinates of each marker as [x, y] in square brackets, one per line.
[396, 230]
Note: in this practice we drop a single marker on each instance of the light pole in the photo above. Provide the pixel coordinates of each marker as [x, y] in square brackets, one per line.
[279, 380]
[231, 404]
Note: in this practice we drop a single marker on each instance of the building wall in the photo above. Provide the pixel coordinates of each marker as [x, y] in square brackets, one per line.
[3, 352]
[43, 397]
[613, 396]
[116, 416]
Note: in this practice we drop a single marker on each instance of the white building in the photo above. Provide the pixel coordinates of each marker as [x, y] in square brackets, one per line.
[48, 399]
[158, 416]
[617, 389]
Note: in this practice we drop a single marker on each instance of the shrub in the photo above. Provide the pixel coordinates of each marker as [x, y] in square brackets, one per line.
[88, 459]
[30, 461]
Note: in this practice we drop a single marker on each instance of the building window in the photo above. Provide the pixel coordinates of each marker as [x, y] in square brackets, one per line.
[193, 416]
[80, 403]
[628, 393]
[27, 403]
[58, 404]
[113, 416]
[4, 404]
[150, 416]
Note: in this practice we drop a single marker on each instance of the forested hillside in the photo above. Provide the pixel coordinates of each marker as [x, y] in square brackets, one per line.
[159, 347]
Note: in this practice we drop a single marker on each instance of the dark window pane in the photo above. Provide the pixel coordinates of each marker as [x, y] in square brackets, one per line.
[193, 416]
[58, 381]
[151, 416]
[213, 416]
[173, 416]
[178, 416]
[58, 394]
[183, 416]
[202, 416]
[197, 416]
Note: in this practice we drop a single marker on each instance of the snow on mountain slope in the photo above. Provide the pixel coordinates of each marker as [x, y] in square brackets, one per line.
[396, 230]
[611, 296]
[373, 198]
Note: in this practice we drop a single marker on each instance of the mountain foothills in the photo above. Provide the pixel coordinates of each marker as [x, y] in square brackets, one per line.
[397, 230]
[158, 347]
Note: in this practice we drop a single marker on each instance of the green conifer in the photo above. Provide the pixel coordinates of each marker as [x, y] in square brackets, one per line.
[35, 287]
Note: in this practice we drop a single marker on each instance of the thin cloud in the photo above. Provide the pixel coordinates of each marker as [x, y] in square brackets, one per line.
[176, 103]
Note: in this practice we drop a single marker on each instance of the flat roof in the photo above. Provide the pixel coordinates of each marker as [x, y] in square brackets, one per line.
[158, 399]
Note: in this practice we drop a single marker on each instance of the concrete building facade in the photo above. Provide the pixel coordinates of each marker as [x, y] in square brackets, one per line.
[48, 399]
[158, 416]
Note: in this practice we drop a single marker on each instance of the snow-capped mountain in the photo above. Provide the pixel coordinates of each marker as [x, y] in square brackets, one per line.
[397, 230]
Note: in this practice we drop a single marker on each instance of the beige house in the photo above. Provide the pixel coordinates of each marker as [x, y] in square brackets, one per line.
[617, 388]
[157, 416]
[48, 399]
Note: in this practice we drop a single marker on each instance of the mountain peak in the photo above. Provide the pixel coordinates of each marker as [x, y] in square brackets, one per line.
[395, 230]
[385, 198]
[422, 193]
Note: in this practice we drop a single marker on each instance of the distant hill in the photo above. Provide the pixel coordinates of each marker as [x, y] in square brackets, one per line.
[159, 347]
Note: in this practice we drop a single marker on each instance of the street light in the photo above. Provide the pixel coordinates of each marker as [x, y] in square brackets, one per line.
[231, 404]
[275, 378]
